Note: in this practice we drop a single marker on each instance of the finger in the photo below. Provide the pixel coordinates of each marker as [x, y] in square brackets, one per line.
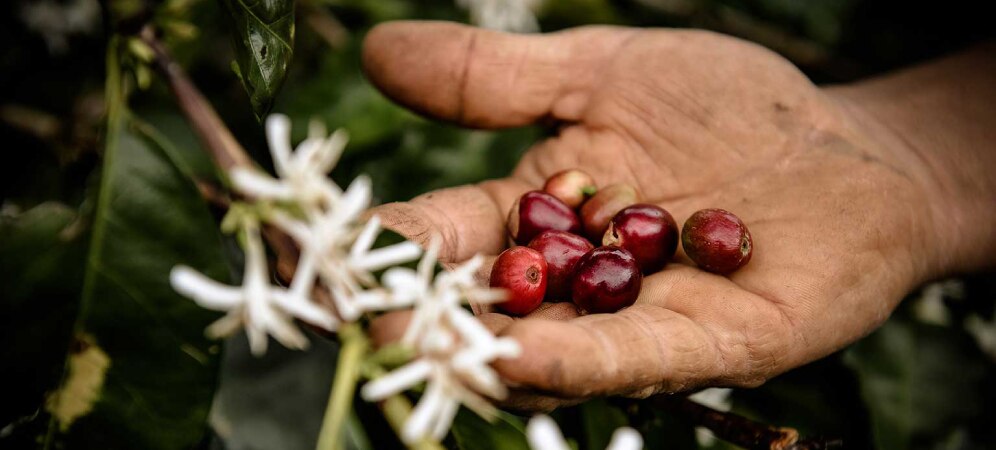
[485, 78]
[530, 402]
[688, 329]
[552, 311]
[470, 219]
[389, 328]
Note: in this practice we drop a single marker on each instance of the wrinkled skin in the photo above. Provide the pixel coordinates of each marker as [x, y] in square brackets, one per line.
[846, 218]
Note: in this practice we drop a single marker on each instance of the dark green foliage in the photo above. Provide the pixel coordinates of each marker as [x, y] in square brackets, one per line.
[263, 35]
[121, 210]
[162, 369]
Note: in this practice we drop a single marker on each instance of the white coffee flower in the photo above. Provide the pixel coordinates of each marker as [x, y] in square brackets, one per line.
[302, 173]
[335, 245]
[454, 349]
[57, 21]
[256, 305]
[543, 433]
[337, 251]
[505, 15]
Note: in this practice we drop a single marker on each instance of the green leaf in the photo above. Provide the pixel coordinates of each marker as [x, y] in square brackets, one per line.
[41, 270]
[263, 33]
[276, 401]
[920, 382]
[507, 432]
[598, 421]
[141, 373]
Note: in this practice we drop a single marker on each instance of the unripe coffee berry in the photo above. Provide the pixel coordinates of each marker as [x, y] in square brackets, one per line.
[570, 186]
[599, 209]
[717, 240]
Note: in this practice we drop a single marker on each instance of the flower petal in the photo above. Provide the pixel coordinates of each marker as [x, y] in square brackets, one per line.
[344, 305]
[400, 379]
[482, 378]
[423, 317]
[476, 403]
[388, 256]
[331, 149]
[427, 266]
[419, 422]
[257, 338]
[305, 275]
[366, 238]
[444, 418]
[256, 184]
[303, 159]
[225, 326]
[463, 275]
[625, 438]
[283, 329]
[471, 330]
[355, 200]
[506, 347]
[303, 308]
[278, 129]
[486, 296]
[206, 292]
[544, 434]
[297, 229]
[401, 278]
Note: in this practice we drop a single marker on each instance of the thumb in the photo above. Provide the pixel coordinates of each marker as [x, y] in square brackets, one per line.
[470, 219]
[487, 79]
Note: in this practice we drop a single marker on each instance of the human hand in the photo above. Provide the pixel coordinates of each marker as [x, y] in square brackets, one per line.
[844, 221]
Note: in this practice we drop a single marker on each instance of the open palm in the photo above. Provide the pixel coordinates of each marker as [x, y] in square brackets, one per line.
[694, 120]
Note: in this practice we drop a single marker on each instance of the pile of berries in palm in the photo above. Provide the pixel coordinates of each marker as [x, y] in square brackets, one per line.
[576, 242]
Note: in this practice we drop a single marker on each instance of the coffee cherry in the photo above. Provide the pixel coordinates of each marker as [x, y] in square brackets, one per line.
[599, 209]
[562, 251]
[717, 241]
[606, 280]
[647, 231]
[522, 271]
[536, 212]
[570, 186]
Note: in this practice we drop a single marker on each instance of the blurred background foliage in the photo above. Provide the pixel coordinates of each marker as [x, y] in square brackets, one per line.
[924, 380]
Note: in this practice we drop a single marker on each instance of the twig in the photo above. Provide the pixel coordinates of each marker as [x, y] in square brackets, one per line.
[739, 430]
[213, 195]
[223, 148]
[325, 25]
[213, 133]
[817, 444]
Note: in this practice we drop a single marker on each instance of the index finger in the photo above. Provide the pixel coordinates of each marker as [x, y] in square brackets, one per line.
[484, 78]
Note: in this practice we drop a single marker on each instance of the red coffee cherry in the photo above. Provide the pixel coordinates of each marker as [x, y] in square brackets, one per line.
[521, 271]
[648, 232]
[606, 280]
[717, 240]
[562, 251]
[536, 212]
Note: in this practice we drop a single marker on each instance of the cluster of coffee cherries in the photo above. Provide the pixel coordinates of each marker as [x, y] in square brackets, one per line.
[574, 242]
